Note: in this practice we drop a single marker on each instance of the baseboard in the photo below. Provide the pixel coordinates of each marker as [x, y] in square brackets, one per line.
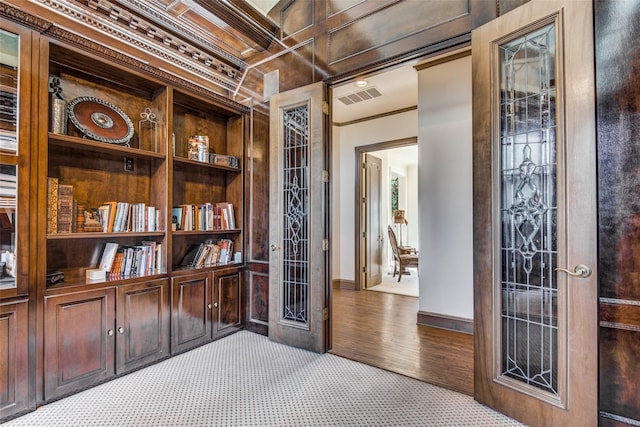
[441, 321]
[344, 284]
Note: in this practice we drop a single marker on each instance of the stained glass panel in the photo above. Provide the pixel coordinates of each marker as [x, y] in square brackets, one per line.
[295, 254]
[528, 205]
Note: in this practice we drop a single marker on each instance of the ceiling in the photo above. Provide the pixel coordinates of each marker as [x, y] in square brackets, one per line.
[397, 86]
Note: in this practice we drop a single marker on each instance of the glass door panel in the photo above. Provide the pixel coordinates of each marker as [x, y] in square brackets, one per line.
[9, 88]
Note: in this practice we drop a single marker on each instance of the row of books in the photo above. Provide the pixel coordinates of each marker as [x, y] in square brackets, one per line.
[205, 217]
[60, 203]
[209, 253]
[130, 261]
[66, 215]
[117, 217]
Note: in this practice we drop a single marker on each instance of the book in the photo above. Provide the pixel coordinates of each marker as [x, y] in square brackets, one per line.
[108, 216]
[227, 216]
[108, 255]
[52, 205]
[176, 217]
[151, 218]
[65, 208]
[118, 263]
[192, 252]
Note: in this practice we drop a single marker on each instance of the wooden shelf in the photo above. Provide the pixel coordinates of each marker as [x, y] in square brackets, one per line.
[197, 232]
[98, 235]
[101, 147]
[64, 287]
[179, 160]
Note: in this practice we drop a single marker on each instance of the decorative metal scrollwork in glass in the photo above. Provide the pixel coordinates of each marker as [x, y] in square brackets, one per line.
[528, 202]
[295, 254]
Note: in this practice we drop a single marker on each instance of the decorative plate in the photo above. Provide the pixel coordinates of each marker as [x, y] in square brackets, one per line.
[100, 120]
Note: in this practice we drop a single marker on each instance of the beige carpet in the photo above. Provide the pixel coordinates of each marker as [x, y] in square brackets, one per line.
[408, 286]
[247, 380]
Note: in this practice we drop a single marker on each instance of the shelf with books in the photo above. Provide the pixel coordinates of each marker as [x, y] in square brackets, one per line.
[101, 235]
[74, 260]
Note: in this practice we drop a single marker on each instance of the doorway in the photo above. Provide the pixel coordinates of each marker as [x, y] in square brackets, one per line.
[386, 196]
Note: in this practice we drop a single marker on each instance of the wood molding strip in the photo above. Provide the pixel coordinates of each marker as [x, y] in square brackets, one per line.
[344, 284]
[441, 321]
[442, 59]
[377, 116]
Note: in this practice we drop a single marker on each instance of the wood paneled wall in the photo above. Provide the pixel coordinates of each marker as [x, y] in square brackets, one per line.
[618, 125]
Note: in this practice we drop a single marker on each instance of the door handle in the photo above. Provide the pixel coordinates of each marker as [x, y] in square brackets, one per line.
[581, 270]
[274, 248]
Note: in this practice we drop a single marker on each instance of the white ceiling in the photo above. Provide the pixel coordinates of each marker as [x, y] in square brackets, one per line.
[398, 88]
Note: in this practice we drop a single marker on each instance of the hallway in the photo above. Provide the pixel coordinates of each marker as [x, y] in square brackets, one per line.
[380, 329]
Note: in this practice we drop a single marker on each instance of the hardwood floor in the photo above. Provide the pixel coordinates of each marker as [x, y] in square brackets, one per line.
[380, 329]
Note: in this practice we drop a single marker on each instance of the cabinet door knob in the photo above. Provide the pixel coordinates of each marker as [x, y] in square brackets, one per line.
[209, 306]
[274, 248]
[110, 332]
[215, 304]
[121, 330]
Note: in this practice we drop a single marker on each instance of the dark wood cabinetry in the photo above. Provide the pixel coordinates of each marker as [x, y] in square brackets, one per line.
[95, 329]
[93, 335]
[79, 340]
[190, 311]
[142, 324]
[14, 372]
[227, 301]
[206, 306]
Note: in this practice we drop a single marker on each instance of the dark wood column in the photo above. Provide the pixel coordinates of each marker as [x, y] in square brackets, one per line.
[618, 126]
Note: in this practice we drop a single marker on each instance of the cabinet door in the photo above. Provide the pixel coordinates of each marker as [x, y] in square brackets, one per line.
[14, 366]
[78, 341]
[227, 301]
[142, 313]
[190, 311]
[15, 147]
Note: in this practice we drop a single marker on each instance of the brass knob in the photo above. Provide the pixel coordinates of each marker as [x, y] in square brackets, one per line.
[581, 270]
[209, 305]
[215, 304]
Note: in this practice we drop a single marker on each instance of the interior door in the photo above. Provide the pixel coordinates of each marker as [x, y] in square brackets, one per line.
[298, 218]
[373, 229]
[535, 214]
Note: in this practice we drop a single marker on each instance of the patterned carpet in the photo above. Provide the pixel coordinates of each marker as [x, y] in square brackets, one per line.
[247, 380]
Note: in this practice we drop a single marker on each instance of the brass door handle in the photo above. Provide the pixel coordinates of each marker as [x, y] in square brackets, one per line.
[581, 270]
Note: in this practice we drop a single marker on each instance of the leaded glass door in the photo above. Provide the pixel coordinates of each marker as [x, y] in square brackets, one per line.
[298, 270]
[535, 215]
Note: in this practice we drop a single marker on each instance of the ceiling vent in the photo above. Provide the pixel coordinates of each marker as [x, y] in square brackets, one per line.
[360, 96]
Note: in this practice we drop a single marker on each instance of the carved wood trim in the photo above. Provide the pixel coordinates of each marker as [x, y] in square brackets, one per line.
[50, 30]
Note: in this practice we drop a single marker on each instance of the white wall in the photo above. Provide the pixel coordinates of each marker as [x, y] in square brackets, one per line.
[446, 196]
[344, 141]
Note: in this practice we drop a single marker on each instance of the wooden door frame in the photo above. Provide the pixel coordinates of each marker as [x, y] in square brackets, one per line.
[575, 401]
[359, 226]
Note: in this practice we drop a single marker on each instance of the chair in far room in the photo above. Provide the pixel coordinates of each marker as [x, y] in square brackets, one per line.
[403, 256]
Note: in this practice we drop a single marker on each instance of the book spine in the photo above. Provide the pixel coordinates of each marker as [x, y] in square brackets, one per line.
[52, 205]
[65, 208]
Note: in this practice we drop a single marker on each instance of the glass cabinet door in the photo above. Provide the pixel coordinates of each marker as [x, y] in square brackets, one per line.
[15, 133]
